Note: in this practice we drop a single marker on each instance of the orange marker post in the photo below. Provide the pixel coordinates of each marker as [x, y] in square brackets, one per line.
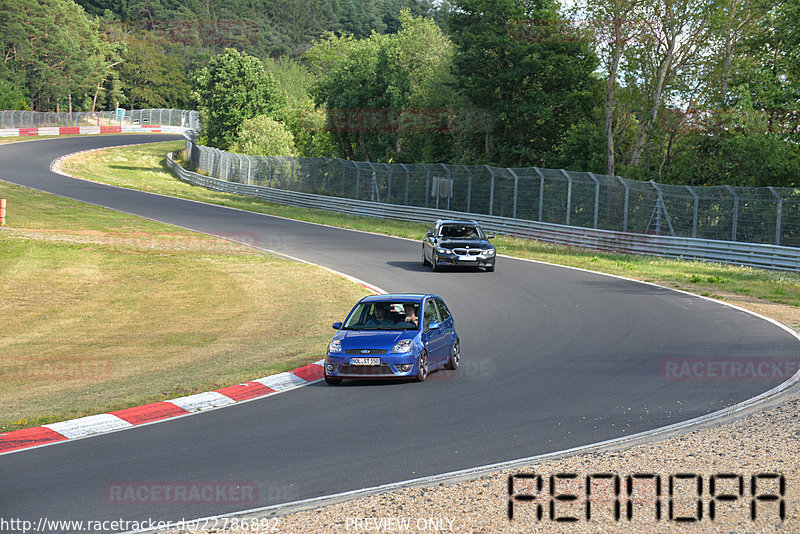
[2, 212]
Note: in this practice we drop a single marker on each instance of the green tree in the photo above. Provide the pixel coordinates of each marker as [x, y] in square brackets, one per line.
[386, 96]
[152, 78]
[12, 96]
[264, 136]
[302, 117]
[230, 89]
[532, 85]
[54, 48]
[753, 159]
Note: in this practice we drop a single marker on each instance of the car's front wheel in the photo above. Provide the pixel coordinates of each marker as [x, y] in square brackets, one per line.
[455, 356]
[422, 367]
[435, 262]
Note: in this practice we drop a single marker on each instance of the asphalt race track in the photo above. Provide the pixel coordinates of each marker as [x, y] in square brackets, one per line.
[552, 358]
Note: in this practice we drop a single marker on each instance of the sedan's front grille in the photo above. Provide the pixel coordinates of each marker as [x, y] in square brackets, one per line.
[366, 370]
[467, 252]
[365, 351]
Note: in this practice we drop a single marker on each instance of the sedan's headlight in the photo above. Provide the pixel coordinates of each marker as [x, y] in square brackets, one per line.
[335, 346]
[403, 346]
[441, 250]
[489, 252]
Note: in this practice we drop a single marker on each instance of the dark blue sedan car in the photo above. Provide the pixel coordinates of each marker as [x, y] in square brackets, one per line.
[393, 336]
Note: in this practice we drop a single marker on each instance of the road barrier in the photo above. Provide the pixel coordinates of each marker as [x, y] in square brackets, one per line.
[773, 257]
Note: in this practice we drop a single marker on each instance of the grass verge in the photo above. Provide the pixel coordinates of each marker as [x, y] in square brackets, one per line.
[144, 167]
[103, 311]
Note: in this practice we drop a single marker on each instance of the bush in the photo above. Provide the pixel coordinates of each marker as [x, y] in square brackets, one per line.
[264, 136]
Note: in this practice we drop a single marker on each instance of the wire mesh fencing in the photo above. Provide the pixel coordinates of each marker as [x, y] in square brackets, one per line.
[769, 215]
[119, 117]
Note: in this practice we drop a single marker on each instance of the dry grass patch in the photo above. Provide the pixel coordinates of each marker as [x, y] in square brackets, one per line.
[101, 319]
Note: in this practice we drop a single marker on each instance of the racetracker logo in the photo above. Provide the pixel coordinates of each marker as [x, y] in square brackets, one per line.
[379, 120]
[181, 493]
[715, 369]
[42, 370]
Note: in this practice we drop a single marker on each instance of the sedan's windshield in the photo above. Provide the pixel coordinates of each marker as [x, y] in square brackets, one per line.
[460, 231]
[384, 316]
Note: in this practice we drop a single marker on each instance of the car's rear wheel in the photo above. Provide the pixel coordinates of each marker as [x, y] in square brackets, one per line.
[422, 367]
[424, 259]
[455, 356]
[333, 381]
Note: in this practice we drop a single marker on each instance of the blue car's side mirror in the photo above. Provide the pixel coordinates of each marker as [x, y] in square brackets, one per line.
[433, 326]
[337, 326]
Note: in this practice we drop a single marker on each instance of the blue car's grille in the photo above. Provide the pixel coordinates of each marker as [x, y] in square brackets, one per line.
[366, 370]
[365, 351]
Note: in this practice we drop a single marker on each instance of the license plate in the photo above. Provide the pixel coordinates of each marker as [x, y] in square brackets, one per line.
[365, 361]
[468, 258]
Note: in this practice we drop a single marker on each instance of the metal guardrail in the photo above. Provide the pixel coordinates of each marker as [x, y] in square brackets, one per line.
[772, 257]
[769, 215]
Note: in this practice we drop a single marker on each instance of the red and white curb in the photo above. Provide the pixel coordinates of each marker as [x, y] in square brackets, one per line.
[89, 130]
[158, 411]
[181, 406]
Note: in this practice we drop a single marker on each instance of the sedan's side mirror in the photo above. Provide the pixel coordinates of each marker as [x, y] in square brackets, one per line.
[429, 234]
[337, 326]
[490, 236]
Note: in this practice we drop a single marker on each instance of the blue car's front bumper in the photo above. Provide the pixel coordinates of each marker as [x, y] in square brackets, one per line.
[392, 365]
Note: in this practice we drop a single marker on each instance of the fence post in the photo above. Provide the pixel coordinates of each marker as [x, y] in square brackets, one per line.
[315, 171]
[427, 184]
[373, 184]
[450, 184]
[358, 179]
[328, 178]
[516, 189]
[408, 179]
[696, 207]
[491, 190]
[343, 175]
[2, 212]
[625, 207]
[779, 215]
[735, 211]
[541, 191]
[469, 187]
[389, 183]
[569, 194]
[596, 196]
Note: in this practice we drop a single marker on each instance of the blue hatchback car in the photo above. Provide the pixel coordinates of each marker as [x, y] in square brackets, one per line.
[393, 336]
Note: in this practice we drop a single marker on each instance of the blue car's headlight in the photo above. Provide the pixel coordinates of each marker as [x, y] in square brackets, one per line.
[403, 346]
[335, 347]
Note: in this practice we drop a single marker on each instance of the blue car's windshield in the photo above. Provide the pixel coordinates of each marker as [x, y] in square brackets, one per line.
[384, 316]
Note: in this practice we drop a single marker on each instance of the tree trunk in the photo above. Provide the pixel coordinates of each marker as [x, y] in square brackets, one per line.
[644, 126]
[610, 85]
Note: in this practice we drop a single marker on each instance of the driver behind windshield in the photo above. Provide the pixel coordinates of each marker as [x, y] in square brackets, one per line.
[379, 317]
